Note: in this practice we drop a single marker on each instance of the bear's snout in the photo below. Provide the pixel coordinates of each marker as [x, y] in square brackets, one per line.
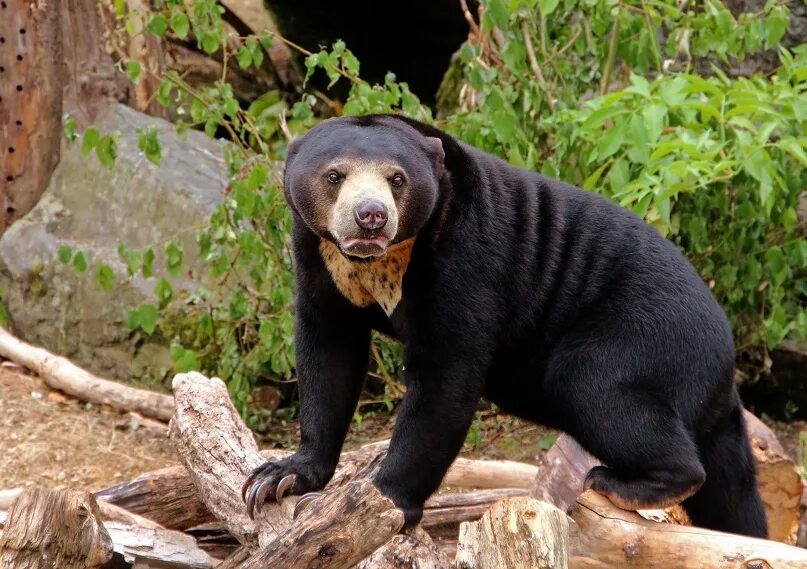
[370, 214]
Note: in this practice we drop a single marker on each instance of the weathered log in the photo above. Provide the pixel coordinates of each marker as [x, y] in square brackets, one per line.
[563, 468]
[452, 509]
[220, 452]
[47, 529]
[136, 537]
[168, 496]
[336, 531]
[60, 373]
[157, 545]
[413, 550]
[482, 474]
[516, 533]
[610, 537]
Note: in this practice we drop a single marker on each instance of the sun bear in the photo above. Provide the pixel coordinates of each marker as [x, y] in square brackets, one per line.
[552, 302]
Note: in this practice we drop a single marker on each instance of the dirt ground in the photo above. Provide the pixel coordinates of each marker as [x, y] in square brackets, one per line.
[51, 440]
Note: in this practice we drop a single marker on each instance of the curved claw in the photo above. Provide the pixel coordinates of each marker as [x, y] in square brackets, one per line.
[247, 483]
[304, 501]
[282, 487]
[255, 497]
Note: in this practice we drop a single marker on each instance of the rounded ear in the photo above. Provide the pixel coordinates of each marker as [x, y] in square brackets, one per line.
[436, 148]
[293, 146]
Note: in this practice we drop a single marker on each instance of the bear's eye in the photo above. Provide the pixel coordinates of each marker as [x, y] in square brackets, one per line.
[333, 177]
[397, 180]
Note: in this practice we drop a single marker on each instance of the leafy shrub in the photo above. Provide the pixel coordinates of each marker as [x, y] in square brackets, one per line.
[597, 92]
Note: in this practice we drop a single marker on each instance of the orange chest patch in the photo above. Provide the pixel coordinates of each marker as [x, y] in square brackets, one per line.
[364, 283]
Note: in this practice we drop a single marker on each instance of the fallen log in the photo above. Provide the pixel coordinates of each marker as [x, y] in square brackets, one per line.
[563, 469]
[516, 533]
[413, 550]
[48, 528]
[59, 373]
[610, 537]
[168, 496]
[339, 529]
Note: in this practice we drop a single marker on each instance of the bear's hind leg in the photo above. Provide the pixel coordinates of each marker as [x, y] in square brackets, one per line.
[650, 460]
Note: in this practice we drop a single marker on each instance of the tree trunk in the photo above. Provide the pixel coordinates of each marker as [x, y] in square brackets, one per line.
[30, 103]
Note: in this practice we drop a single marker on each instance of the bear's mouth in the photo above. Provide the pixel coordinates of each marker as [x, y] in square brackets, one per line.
[364, 247]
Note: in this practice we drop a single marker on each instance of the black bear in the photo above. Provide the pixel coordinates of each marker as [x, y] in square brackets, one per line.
[552, 302]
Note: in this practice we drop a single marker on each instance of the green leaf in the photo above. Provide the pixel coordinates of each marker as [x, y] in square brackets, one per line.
[105, 277]
[107, 151]
[173, 259]
[184, 360]
[654, 118]
[180, 24]
[80, 262]
[163, 291]
[612, 140]
[547, 6]
[133, 70]
[244, 57]
[210, 43]
[776, 265]
[149, 144]
[776, 25]
[69, 126]
[147, 268]
[158, 25]
[65, 254]
[90, 140]
[147, 318]
[496, 14]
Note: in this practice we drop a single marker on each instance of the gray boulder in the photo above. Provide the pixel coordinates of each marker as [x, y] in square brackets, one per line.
[93, 209]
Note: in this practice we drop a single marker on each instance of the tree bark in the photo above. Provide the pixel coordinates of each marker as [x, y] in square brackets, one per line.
[610, 537]
[518, 533]
[31, 100]
[60, 373]
[413, 550]
[47, 529]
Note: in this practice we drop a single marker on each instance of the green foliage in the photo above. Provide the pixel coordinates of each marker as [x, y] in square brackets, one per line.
[713, 163]
[585, 90]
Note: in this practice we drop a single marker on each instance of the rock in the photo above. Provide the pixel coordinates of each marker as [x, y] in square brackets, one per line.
[93, 209]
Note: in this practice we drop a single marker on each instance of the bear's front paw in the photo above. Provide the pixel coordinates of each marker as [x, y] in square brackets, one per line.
[296, 474]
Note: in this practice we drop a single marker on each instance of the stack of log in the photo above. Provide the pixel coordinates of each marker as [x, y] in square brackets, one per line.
[489, 514]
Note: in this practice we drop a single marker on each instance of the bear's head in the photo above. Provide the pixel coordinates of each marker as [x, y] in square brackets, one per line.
[364, 183]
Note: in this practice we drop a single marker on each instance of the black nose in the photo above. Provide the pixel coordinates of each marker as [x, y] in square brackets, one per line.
[370, 214]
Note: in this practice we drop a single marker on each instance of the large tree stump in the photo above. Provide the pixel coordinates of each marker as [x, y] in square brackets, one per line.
[47, 529]
[518, 533]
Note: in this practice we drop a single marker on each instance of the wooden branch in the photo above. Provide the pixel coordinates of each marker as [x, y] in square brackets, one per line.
[47, 529]
[481, 474]
[59, 373]
[219, 452]
[168, 496]
[146, 543]
[564, 467]
[336, 531]
[413, 550]
[452, 509]
[610, 537]
[517, 532]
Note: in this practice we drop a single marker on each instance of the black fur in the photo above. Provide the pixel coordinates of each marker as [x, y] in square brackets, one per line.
[552, 302]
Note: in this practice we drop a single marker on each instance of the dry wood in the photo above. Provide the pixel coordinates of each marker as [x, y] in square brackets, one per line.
[157, 545]
[517, 533]
[610, 537]
[220, 452]
[413, 550]
[336, 531]
[47, 529]
[451, 509]
[59, 373]
[481, 474]
[147, 50]
[31, 56]
[168, 496]
[563, 468]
